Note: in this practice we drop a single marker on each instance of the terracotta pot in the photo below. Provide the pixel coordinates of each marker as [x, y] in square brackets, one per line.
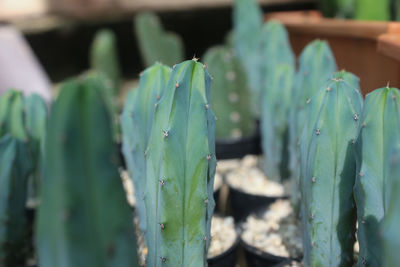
[369, 49]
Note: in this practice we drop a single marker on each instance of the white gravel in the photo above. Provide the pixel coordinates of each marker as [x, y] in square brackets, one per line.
[223, 235]
[277, 231]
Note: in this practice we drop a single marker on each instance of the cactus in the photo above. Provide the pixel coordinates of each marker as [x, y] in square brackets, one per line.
[373, 10]
[12, 114]
[328, 166]
[15, 169]
[154, 43]
[229, 93]
[276, 97]
[379, 134]
[104, 57]
[316, 66]
[136, 122]
[247, 26]
[391, 234]
[180, 171]
[84, 218]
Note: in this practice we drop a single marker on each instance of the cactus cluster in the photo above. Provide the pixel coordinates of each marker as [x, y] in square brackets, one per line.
[328, 167]
[377, 175]
[277, 97]
[84, 218]
[155, 44]
[229, 93]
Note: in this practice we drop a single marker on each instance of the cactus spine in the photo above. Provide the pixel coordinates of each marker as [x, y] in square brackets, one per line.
[83, 219]
[328, 166]
[104, 57]
[229, 93]
[316, 66]
[247, 25]
[155, 44]
[276, 97]
[136, 122]
[180, 171]
[14, 172]
[379, 134]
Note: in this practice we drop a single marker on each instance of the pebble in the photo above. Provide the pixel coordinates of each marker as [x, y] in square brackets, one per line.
[223, 235]
[277, 231]
[226, 166]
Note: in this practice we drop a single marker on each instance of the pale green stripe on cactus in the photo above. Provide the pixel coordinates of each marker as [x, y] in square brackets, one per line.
[136, 123]
[104, 57]
[379, 134]
[229, 93]
[180, 171]
[14, 172]
[328, 167]
[155, 44]
[84, 218]
[316, 65]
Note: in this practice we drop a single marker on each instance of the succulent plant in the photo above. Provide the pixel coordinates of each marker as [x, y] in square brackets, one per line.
[84, 218]
[378, 137]
[15, 169]
[328, 167]
[229, 93]
[12, 114]
[180, 170]
[104, 57]
[136, 123]
[277, 98]
[317, 64]
[155, 44]
[247, 26]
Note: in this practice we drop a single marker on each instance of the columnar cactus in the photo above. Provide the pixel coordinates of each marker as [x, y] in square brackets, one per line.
[15, 169]
[379, 135]
[155, 44]
[136, 122]
[277, 96]
[229, 93]
[84, 218]
[316, 66]
[180, 171]
[247, 24]
[104, 57]
[328, 167]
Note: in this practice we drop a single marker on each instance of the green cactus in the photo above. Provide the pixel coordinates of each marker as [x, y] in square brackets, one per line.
[378, 136]
[247, 26]
[328, 166]
[316, 66]
[84, 218]
[15, 169]
[390, 229]
[104, 57]
[373, 10]
[229, 93]
[12, 114]
[136, 122]
[155, 44]
[276, 97]
[180, 171]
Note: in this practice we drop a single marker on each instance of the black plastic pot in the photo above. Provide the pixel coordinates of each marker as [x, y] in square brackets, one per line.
[243, 204]
[226, 259]
[258, 258]
[216, 198]
[239, 147]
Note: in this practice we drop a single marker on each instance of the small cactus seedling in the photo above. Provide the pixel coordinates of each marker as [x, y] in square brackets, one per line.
[84, 218]
[155, 44]
[379, 135]
[247, 24]
[104, 57]
[180, 171]
[229, 93]
[316, 66]
[328, 166]
[136, 122]
[277, 97]
[14, 172]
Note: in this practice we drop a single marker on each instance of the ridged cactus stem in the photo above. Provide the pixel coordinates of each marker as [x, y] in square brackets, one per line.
[328, 167]
[379, 135]
[180, 171]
